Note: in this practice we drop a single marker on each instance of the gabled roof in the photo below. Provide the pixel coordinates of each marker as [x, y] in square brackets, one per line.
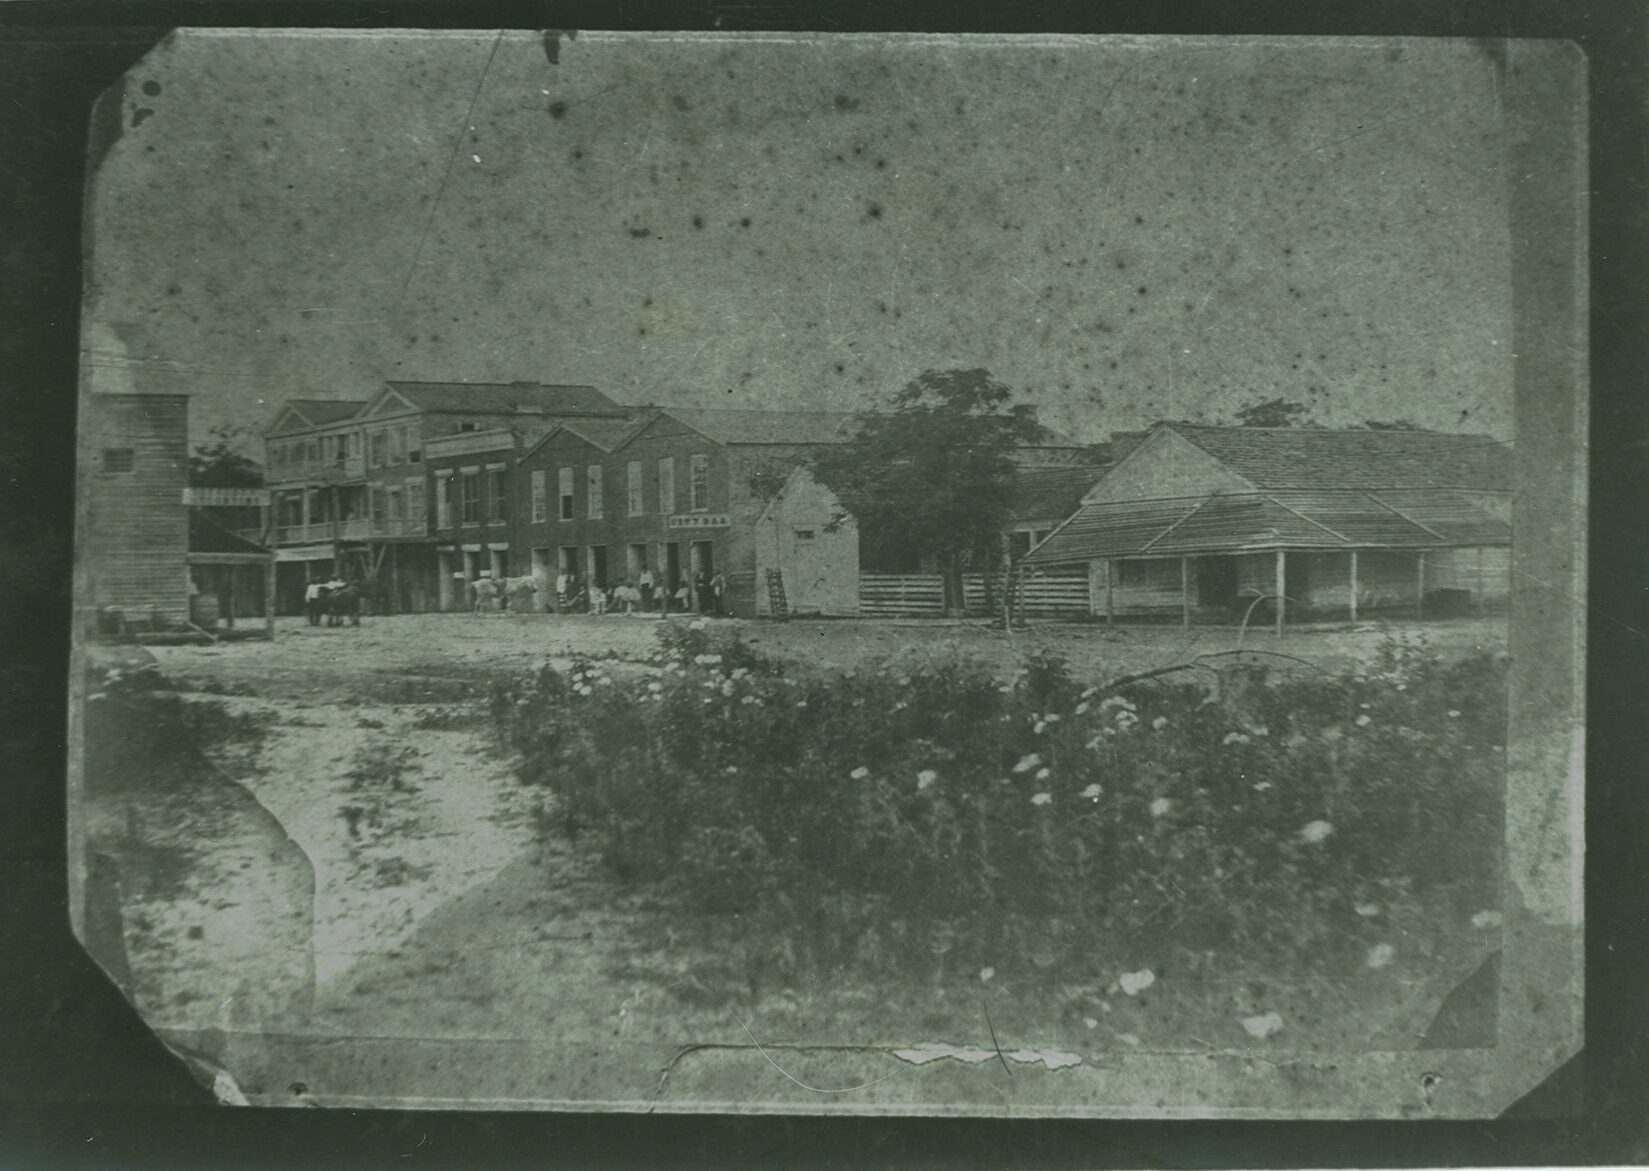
[314, 412]
[1311, 458]
[736, 426]
[1044, 493]
[606, 434]
[506, 398]
[1239, 522]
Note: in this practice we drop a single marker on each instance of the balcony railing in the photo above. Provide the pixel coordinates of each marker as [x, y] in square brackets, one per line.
[355, 529]
[322, 471]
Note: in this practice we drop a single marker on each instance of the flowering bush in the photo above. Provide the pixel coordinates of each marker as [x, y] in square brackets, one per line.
[932, 816]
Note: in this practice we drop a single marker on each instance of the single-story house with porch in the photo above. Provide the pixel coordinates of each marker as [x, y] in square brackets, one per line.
[1224, 523]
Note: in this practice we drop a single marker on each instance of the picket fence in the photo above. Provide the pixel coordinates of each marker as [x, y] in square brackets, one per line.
[915, 595]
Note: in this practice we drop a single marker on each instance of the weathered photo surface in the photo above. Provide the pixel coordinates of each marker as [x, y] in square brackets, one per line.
[836, 573]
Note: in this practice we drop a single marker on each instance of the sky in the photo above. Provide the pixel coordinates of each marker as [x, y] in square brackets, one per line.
[1120, 229]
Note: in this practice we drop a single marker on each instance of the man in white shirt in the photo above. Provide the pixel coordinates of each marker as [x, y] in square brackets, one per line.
[314, 602]
[645, 582]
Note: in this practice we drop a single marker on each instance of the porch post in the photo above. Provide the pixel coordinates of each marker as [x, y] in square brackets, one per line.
[1185, 589]
[1354, 585]
[1282, 581]
[1110, 599]
[269, 596]
[1420, 586]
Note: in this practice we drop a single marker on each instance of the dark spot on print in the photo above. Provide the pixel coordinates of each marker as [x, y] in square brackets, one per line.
[577, 153]
[1140, 290]
[845, 102]
[881, 164]
[1121, 264]
[698, 221]
[646, 302]
[874, 211]
[680, 102]
[152, 88]
[640, 233]
[558, 109]
[744, 222]
[641, 331]
[1139, 219]
[840, 368]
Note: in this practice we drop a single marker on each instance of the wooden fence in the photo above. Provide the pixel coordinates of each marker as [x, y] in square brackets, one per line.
[915, 595]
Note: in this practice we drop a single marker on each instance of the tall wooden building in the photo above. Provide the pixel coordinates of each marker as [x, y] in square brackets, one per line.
[132, 544]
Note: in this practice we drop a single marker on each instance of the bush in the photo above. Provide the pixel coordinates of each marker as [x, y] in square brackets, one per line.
[902, 819]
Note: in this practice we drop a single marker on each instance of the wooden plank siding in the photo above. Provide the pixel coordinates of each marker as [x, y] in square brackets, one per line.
[135, 539]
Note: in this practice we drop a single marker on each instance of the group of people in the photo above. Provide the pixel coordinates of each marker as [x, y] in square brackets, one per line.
[332, 602]
[643, 594]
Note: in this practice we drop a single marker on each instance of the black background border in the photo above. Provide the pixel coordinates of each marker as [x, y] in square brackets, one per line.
[83, 1082]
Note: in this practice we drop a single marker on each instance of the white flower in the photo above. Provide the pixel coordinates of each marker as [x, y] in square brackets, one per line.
[1042, 774]
[1027, 763]
[1453, 715]
[1092, 792]
[1261, 731]
[1042, 799]
[1262, 1026]
[1486, 919]
[1315, 831]
[1160, 806]
[925, 778]
[707, 660]
[1234, 738]
[748, 699]
[1096, 742]
[655, 685]
[740, 672]
[1380, 955]
[1362, 721]
[801, 703]
[1090, 1022]
[1037, 728]
[727, 687]
[1261, 786]
[1367, 910]
[1130, 1039]
[859, 773]
[985, 975]
[696, 624]
[1081, 708]
[1160, 723]
[1051, 718]
[1133, 983]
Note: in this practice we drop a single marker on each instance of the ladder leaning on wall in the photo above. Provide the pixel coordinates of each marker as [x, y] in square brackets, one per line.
[779, 607]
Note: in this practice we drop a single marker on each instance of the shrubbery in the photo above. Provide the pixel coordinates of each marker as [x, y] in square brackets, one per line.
[941, 819]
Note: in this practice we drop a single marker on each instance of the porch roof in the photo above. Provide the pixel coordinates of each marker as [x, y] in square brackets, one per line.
[1256, 521]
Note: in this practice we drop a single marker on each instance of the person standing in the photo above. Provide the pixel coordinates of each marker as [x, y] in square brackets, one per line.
[645, 584]
[701, 589]
[718, 594]
[334, 587]
[314, 602]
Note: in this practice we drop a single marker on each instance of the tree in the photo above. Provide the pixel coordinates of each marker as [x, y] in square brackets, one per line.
[932, 473]
[220, 462]
[1275, 412]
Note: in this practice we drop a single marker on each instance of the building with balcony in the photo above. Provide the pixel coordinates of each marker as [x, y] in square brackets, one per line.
[350, 492]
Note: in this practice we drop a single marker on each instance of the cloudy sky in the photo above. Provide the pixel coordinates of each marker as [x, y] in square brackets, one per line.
[1121, 229]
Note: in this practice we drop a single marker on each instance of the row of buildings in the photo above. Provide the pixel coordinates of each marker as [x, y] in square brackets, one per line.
[426, 487]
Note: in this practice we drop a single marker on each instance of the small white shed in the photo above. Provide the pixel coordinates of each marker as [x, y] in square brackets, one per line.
[812, 541]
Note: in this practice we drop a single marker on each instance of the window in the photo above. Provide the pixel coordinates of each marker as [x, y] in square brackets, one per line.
[466, 426]
[355, 443]
[397, 504]
[443, 503]
[415, 501]
[637, 505]
[540, 498]
[667, 485]
[1162, 573]
[415, 444]
[592, 487]
[498, 495]
[700, 483]
[119, 459]
[397, 447]
[312, 451]
[380, 509]
[469, 497]
[804, 534]
[377, 447]
[565, 488]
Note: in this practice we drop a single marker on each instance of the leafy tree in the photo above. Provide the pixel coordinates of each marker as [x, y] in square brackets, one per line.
[220, 462]
[1275, 412]
[931, 473]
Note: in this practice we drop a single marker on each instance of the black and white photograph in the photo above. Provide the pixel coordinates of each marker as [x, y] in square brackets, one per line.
[1031, 576]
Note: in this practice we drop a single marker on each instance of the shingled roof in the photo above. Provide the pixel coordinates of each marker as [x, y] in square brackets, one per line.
[1051, 493]
[1311, 459]
[208, 536]
[315, 412]
[498, 398]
